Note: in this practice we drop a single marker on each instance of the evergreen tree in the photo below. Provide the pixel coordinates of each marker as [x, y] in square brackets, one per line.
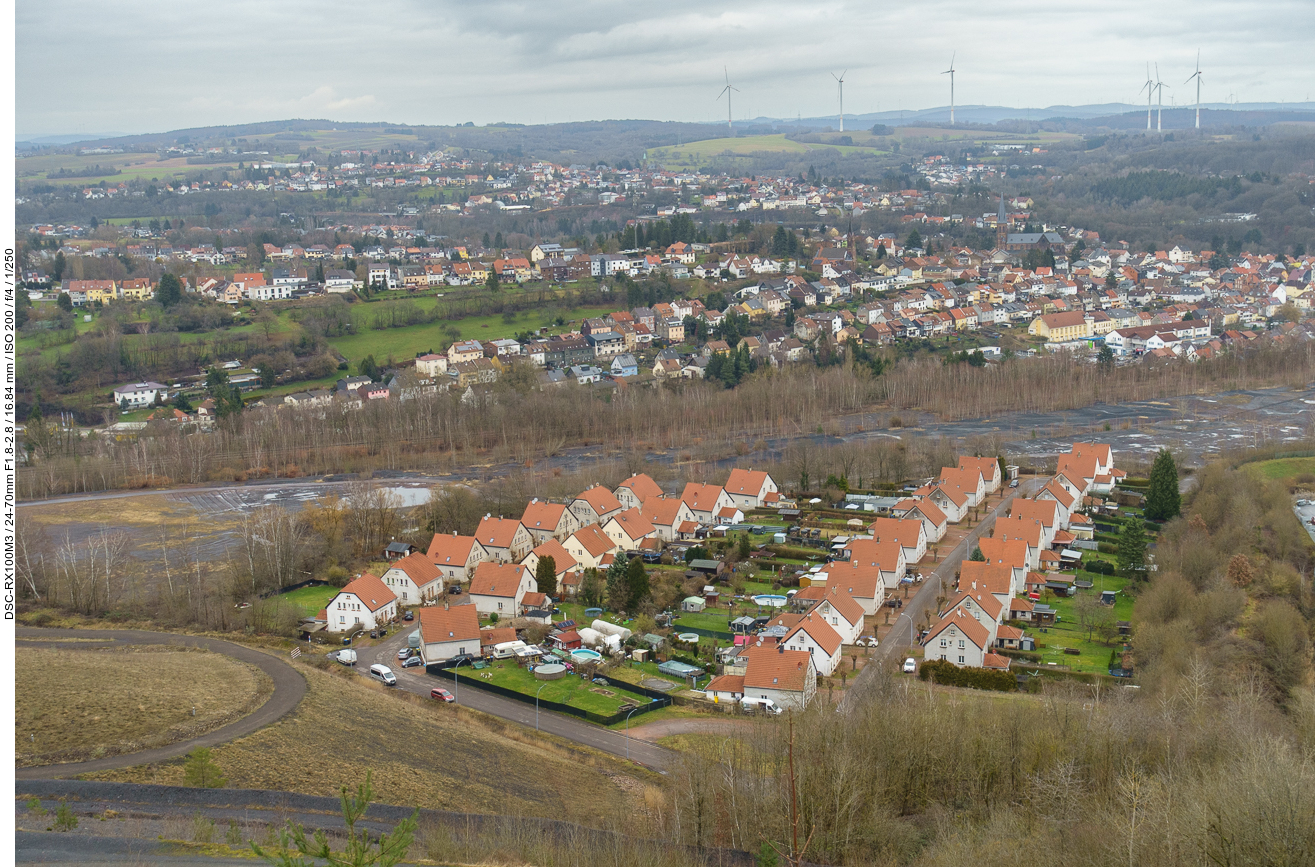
[170, 290]
[591, 588]
[492, 281]
[201, 772]
[636, 584]
[1132, 549]
[497, 242]
[37, 435]
[616, 592]
[545, 576]
[1163, 501]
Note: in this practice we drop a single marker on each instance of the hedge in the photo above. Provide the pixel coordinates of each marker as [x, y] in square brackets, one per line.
[944, 672]
[1107, 548]
[1099, 567]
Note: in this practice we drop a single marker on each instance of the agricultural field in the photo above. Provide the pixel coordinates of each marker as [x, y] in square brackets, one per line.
[701, 153]
[74, 705]
[420, 752]
[131, 166]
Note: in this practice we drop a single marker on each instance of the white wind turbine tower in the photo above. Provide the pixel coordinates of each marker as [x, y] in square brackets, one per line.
[841, 82]
[1159, 86]
[950, 72]
[726, 91]
[1149, 87]
[1197, 76]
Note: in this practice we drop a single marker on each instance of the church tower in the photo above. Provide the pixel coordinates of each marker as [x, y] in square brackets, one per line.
[1001, 225]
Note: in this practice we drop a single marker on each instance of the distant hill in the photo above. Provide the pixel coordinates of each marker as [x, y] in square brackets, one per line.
[1112, 114]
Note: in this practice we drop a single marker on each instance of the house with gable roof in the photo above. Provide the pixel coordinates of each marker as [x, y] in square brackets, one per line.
[505, 539]
[634, 491]
[815, 635]
[629, 529]
[706, 501]
[563, 562]
[910, 534]
[591, 547]
[413, 579]
[671, 518]
[456, 556]
[749, 489]
[787, 677]
[886, 556]
[594, 505]
[988, 467]
[500, 588]
[448, 632]
[958, 638]
[362, 604]
[1046, 511]
[934, 522]
[842, 611]
[545, 520]
[1011, 554]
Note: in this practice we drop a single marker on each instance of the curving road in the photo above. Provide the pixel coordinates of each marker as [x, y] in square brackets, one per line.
[289, 688]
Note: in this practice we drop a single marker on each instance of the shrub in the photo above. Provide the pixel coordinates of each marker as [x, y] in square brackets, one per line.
[944, 672]
[201, 772]
[64, 818]
[1099, 567]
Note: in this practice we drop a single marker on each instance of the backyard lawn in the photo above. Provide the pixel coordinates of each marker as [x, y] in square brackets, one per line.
[570, 690]
[311, 600]
[1094, 654]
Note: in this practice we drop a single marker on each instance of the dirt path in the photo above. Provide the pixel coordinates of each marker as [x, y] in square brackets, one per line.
[662, 728]
[289, 688]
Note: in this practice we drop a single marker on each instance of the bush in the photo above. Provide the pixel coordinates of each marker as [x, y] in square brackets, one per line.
[1107, 548]
[944, 672]
[64, 818]
[1098, 567]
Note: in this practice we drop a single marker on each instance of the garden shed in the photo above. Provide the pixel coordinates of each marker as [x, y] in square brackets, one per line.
[693, 604]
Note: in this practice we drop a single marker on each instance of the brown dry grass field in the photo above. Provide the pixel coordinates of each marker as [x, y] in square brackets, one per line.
[73, 705]
[421, 753]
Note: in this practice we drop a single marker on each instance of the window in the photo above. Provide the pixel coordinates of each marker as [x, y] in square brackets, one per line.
[961, 660]
[944, 643]
[961, 644]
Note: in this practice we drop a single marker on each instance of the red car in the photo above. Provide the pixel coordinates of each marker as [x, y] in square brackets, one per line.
[441, 695]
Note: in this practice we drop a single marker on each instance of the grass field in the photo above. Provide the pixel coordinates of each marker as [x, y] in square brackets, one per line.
[700, 153]
[422, 753]
[310, 600]
[707, 620]
[570, 690]
[72, 705]
[1285, 469]
[1094, 654]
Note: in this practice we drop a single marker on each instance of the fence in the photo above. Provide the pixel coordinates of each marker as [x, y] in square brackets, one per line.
[706, 633]
[656, 699]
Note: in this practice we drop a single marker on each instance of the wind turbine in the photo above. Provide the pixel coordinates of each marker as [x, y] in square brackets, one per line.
[1159, 86]
[1197, 76]
[841, 82]
[1149, 87]
[727, 92]
[950, 72]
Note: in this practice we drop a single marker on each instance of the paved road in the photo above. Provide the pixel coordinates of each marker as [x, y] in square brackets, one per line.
[417, 681]
[903, 635]
[289, 688]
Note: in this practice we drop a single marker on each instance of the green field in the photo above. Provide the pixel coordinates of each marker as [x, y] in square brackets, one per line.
[701, 153]
[1094, 654]
[1282, 468]
[311, 600]
[570, 690]
[707, 620]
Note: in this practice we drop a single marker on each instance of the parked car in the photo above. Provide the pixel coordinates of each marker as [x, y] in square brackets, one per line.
[404, 653]
[409, 616]
[346, 657]
[441, 694]
[413, 662]
[383, 673]
[748, 704]
[374, 633]
[1014, 483]
[910, 665]
[894, 603]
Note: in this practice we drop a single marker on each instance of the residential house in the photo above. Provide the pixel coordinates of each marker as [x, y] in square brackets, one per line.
[590, 546]
[448, 632]
[629, 529]
[500, 588]
[749, 489]
[671, 518]
[563, 562]
[413, 579]
[934, 522]
[959, 638]
[988, 467]
[636, 490]
[910, 533]
[594, 505]
[363, 604]
[504, 539]
[815, 635]
[843, 612]
[456, 556]
[886, 556]
[787, 677]
[705, 501]
[545, 520]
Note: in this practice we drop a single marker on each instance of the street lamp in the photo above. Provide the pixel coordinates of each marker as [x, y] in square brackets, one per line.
[456, 683]
[536, 705]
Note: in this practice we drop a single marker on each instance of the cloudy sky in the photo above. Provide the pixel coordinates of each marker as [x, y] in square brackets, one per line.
[147, 66]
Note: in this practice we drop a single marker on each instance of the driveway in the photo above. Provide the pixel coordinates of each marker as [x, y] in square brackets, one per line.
[289, 688]
[903, 634]
[419, 682]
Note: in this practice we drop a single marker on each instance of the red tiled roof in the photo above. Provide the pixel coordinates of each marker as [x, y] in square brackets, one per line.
[458, 623]
[371, 591]
[496, 579]
[497, 532]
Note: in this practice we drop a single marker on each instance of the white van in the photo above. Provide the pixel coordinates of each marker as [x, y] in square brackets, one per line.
[346, 657]
[383, 673]
[507, 649]
[749, 704]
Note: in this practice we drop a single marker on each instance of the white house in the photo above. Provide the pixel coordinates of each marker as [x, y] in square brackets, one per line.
[750, 489]
[505, 539]
[448, 632]
[628, 529]
[140, 394]
[787, 677]
[636, 490]
[413, 579]
[959, 638]
[910, 533]
[705, 501]
[456, 556]
[934, 523]
[595, 505]
[842, 612]
[886, 556]
[545, 520]
[499, 588]
[816, 636]
[363, 604]
[671, 518]
[590, 546]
